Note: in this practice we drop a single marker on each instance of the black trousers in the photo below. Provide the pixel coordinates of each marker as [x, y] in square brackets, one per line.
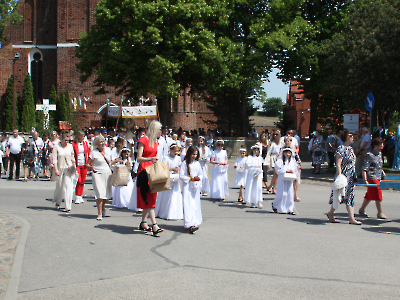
[331, 156]
[5, 165]
[15, 158]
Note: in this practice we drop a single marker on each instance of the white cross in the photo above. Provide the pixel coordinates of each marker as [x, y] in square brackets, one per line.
[46, 107]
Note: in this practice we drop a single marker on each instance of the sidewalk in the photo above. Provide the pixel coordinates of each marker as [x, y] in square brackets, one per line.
[10, 230]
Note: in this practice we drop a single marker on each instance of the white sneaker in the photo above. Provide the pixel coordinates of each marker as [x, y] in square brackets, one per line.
[78, 199]
[260, 205]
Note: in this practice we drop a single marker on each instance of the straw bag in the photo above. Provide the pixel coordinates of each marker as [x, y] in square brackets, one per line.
[160, 187]
[158, 172]
[120, 175]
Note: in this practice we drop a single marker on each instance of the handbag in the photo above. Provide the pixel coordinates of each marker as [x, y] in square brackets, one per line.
[158, 172]
[194, 185]
[289, 176]
[120, 176]
[160, 187]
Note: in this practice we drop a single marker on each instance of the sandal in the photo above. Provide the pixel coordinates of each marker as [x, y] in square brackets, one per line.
[193, 229]
[99, 218]
[141, 227]
[332, 221]
[157, 231]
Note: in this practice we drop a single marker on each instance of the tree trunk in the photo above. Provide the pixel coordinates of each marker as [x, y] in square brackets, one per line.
[244, 116]
[163, 109]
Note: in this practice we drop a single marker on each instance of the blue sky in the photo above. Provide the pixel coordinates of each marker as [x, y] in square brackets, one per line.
[276, 88]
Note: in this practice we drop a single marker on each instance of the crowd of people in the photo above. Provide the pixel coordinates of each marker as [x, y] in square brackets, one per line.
[67, 158]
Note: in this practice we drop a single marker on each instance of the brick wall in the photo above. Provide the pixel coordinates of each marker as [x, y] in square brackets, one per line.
[48, 23]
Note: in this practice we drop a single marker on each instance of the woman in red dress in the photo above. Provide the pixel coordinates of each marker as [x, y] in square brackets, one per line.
[147, 156]
[81, 152]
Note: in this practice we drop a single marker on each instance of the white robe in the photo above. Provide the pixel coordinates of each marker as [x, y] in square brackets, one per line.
[284, 201]
[253, 191]
[241, 172]
[191, 194]
[219, 180]
[122, 194]
[133, 201]
[169, 204]
[204, 160]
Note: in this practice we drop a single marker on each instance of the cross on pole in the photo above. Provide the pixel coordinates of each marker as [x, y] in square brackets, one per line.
[46, 107]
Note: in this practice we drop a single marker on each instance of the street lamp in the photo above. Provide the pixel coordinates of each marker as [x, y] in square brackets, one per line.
[14, 100]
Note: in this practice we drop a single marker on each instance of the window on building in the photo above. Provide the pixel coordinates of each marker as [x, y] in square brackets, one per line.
[36, 77]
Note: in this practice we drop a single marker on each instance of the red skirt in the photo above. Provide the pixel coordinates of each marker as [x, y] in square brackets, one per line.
[374, 193]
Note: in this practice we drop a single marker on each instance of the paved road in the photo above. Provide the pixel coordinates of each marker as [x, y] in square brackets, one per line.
[238, 252]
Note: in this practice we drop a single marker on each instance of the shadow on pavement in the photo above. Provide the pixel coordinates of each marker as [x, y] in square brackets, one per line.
[120, 229]
[42, 208]
[310, 221]
[383, 229]
[81, 216]
[174, 228]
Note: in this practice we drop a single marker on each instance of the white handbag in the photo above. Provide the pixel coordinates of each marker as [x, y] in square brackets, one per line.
[290, 176]
[194, 185]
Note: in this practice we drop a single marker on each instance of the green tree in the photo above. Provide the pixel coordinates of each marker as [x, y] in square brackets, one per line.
[8, 106]
[273, 106]
[62, 109]
[364, 57]
[306, 60]
[28, 118]
[54, 115]
[213, 46]
[8, 13]
[68, 105]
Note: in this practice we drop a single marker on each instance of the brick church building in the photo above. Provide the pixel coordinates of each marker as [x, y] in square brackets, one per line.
[46, 40]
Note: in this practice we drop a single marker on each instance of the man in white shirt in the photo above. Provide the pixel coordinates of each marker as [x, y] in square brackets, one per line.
[14, 145]
[297, 138]
[365, 143]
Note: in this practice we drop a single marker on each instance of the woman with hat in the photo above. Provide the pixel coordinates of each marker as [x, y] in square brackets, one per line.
[219, 176]
[286, 168]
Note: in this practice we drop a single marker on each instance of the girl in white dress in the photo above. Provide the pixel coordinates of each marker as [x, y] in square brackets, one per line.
[188, 143]
[283, 201]
[133, 201]
[219, 176]
[241, 172]
[273, 151]
[191, 174]
[122, 194]
[169, 203]
[204, 159]
[253, 192]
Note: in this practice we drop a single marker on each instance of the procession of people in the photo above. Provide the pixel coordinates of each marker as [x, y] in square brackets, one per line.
[190, 177]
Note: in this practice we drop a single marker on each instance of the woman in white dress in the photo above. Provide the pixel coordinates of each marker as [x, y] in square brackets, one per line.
[241, 172]
[133, 201]
[191, 174]
[188, 143]
[219, 177]
[99, 163]
[122, 194]
[253, 191]
[273, 151]
[204, 159]
[169, 203]
[284, 201]
[64, 170]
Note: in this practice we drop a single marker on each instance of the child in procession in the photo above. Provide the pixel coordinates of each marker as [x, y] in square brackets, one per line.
[122, 194]
[204, 159]
[219, 177]
[284, 201]
[169, 203]
[254, 183]
[191, 174]
[241, 172]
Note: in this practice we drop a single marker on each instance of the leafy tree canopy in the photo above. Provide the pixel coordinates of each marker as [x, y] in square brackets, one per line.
[273, 106]
[8, 13]
[364, 56]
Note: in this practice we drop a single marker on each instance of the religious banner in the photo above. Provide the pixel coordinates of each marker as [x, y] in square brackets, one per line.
[113, 111]
[139, 111]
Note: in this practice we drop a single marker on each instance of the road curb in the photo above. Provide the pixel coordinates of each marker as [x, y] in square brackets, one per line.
[13, 283]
